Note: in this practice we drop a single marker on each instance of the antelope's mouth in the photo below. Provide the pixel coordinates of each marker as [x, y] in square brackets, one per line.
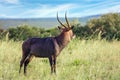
[73, 36]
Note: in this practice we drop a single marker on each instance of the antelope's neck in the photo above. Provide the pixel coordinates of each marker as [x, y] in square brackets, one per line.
[62, 40]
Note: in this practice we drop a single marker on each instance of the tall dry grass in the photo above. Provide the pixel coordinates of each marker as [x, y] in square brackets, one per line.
[80, 60]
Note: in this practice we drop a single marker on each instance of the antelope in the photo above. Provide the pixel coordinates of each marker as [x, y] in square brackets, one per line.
[49, 47]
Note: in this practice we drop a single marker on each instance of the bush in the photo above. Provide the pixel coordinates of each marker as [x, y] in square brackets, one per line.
[108, 25]
[23, 32]
[83, 32]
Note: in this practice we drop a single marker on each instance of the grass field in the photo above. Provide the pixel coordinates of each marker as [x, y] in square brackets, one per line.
[80, 60]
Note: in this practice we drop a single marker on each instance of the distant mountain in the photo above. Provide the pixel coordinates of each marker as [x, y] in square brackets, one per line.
[87, 18]
[39, 22]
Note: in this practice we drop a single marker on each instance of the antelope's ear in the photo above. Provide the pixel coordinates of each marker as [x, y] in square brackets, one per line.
[72, 27]
[60, 28]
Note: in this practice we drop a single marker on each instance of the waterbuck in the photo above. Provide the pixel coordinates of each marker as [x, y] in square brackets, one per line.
[49, 47]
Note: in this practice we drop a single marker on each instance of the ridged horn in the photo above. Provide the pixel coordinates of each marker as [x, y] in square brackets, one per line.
[67, 20]
[60, 21]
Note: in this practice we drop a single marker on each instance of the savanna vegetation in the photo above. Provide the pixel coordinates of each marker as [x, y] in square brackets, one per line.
[105, 27]
[80, 60]
[93, 55]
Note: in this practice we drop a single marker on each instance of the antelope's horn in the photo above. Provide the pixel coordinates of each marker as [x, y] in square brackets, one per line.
[60, 21]
[67, 20]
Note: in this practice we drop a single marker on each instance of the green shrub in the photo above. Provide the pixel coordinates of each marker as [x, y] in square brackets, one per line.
[23, 32]
[108, 25]
[105, 27]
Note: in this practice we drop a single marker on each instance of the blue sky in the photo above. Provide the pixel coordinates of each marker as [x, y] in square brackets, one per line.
[49, 8]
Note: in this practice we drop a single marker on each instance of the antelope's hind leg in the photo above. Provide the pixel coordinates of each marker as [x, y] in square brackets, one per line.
[22, 61]
[28, 59]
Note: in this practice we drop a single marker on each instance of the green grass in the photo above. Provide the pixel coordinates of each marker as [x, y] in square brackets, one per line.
[80, 60]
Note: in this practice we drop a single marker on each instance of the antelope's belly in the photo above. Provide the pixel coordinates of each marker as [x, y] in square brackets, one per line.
[42, 51]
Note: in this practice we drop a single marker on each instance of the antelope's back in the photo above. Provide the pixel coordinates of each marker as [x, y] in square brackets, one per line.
[42, 47]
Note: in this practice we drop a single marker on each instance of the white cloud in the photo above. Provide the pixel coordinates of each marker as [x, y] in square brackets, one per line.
[115, 8]
[6, 16]
[49, 11]
[100, 8]
[10, 1]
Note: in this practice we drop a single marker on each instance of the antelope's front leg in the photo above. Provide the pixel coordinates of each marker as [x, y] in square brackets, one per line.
[54, 65]
[52, 60]
[51, 63]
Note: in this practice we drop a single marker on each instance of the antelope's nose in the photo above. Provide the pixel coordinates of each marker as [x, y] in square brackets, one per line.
[74, 36]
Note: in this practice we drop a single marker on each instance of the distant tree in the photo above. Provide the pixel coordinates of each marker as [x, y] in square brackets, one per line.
[23, 32]
[108, 25]
[83, 32]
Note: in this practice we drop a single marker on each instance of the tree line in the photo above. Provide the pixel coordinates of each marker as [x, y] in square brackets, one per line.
[106, 27]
